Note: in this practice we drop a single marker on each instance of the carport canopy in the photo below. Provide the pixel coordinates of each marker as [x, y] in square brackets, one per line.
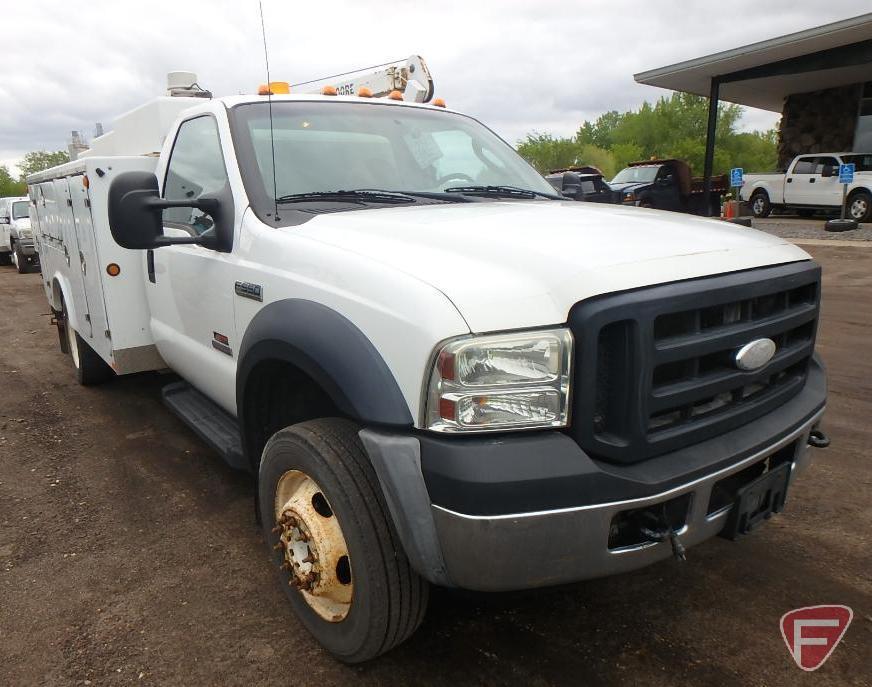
[763, 74]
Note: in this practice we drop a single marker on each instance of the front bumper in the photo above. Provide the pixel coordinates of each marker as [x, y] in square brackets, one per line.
[529, 511]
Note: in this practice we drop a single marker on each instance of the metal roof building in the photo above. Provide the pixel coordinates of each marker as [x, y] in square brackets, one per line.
[819, 79]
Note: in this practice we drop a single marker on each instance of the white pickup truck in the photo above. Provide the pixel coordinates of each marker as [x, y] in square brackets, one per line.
[435, 370]
[812, 183]
[16, 238]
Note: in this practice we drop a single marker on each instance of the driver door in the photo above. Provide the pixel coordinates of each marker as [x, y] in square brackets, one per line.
[190, 287]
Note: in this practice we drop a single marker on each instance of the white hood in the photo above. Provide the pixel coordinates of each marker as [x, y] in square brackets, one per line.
[517, 264]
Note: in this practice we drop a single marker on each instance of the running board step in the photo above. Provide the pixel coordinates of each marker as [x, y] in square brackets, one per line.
[212, 424]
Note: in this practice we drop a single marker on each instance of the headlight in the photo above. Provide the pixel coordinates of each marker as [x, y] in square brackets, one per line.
[629, 197]
[501, 382]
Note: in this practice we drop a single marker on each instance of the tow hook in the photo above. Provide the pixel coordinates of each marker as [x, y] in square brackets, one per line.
[818, 439]
[662, 530]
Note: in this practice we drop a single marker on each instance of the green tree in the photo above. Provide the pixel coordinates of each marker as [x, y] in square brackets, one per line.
[673, 127]
[9, 186]
[39, 160]
[545, 152]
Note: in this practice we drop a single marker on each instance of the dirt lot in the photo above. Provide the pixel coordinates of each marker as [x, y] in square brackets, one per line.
[129, 554]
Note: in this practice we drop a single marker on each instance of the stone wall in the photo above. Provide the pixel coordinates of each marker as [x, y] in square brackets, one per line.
[818, 122]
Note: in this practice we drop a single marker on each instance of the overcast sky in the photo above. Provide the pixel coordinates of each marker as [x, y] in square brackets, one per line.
[519, 65]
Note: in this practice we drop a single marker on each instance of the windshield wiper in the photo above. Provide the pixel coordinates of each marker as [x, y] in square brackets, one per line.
[435, 195]
[501, 192]
[359, 196]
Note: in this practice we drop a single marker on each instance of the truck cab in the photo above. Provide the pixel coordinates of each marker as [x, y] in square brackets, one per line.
[666, 185]
[438, 371]
[16, 237]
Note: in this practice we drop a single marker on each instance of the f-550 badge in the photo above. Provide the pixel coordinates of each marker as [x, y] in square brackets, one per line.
[248, 290]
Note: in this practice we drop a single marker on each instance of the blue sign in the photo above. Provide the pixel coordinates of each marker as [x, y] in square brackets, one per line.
[846, 173]
[737, 177]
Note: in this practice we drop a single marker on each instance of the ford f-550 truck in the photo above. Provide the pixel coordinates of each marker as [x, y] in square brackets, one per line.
[437, 371]
[812, 183]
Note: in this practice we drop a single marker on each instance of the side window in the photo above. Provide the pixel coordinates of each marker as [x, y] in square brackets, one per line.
[804, 165]
[822, 162]
[196, 168]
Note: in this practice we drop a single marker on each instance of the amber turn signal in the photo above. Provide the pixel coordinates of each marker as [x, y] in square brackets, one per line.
[112, 269]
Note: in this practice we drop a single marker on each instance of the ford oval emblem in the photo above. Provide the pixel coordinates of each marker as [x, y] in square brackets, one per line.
[754, 355]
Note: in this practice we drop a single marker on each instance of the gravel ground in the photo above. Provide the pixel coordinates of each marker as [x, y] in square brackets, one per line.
[796, 228]
[129, 553]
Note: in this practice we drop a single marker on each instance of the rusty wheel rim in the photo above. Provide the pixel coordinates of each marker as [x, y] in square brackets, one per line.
[314, 553]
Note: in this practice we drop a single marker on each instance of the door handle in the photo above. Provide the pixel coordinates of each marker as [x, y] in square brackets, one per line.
[811, 181]
[149, 261]
[789, 180]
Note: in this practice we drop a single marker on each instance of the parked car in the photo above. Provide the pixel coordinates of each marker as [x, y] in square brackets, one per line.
[16, 236]
[812, 183]
[667, 185]
[583, 183]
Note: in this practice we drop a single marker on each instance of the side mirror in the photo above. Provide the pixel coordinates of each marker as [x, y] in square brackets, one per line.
[136, 213]
[828, 171]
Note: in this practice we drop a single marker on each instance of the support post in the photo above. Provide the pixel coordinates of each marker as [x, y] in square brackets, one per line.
[711, 130]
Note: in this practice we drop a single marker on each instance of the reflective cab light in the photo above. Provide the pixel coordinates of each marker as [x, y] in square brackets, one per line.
[438, 102]
[85, 181]
[113, 270]
[328, 90]
[395, 95]
[364, 92]
[274, 88]
[498, 382]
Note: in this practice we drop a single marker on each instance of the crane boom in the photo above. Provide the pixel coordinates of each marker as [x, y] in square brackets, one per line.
[410, 77]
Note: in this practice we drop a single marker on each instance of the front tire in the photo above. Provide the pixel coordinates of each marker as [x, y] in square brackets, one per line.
[327, 525]
[860, 206]
[760, 205]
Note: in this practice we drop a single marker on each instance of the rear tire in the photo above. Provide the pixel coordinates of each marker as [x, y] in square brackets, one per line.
[760, 205]
[860, 206]
[387, 599]
[90, 368]
[5, 259]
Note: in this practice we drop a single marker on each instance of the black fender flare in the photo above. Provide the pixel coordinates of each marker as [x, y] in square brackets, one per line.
[332, 351]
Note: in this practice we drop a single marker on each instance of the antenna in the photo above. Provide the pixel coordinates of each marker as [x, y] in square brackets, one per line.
[272, 140]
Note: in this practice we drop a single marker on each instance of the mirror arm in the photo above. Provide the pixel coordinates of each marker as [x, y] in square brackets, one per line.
[207, 205]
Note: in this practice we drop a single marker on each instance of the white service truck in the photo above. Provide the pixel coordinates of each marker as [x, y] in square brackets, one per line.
[812, 183]
[437, 371]
[16, 235]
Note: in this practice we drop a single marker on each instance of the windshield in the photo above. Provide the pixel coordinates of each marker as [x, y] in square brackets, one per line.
[635, 174]
[330, 146]
[862, 163]
[19, 209]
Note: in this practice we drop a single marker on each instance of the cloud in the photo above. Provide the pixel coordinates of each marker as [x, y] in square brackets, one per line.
[517, 65]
